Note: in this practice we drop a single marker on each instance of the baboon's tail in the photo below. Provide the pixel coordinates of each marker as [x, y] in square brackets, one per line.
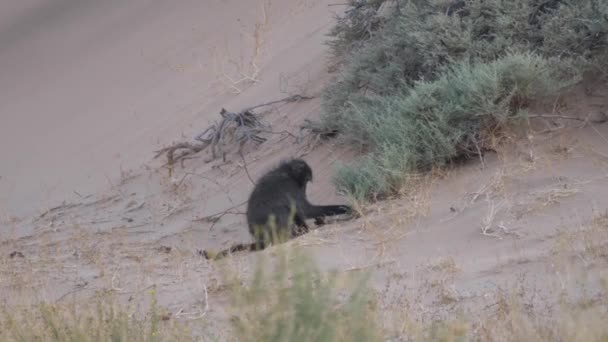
[235, 248]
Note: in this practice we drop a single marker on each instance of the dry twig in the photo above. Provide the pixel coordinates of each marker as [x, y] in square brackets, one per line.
[240, 127]
[487, 228]
[214, 218]
[245, 167]
[552, 116]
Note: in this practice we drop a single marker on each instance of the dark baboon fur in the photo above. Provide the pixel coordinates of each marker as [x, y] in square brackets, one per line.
[278, 206]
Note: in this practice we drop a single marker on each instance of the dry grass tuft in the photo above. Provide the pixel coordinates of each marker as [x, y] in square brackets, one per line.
[238, 75]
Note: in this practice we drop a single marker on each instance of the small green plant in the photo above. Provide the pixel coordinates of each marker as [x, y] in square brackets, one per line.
[296, 302]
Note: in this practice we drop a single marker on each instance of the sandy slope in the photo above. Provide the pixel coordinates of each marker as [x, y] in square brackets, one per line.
[90, 88]
[113, 89]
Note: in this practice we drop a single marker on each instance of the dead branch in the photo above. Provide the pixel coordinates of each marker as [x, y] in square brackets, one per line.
[245, 167]
[188, 147]
[556, 117]
[234, 128]
[292, 98]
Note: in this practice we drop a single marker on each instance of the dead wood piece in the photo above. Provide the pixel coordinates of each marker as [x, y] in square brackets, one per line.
[170, 151]
[234, 128]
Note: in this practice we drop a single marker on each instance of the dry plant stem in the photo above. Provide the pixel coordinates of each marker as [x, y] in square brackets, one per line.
[292, 98]
[600, 134]
[245, 167]
[488, 221]
[189, 147]
[214, 218]
[248, 77]
[556, 117]
[73, 291]
[195, 316]
[247, 127]
[483, 164]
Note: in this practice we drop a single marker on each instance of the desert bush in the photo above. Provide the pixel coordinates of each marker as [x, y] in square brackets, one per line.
[423, 39]
[440, 120]
[297, 302]
[354, 27]
[380, 98]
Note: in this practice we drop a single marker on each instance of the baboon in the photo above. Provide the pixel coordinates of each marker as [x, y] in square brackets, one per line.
[278, 207]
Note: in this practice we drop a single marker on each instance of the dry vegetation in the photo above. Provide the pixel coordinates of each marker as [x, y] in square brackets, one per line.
[457, 104]
[236, 74]
[234, 129]
[293, 300]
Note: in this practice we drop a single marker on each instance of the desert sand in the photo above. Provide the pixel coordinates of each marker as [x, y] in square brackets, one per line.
[91, 89]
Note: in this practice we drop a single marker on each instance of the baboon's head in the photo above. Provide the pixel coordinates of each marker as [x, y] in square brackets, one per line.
[299, 170]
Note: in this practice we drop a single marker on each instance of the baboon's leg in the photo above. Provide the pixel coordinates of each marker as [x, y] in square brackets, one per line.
[320, 220]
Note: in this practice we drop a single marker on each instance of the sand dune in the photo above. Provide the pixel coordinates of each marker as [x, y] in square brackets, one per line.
[89, 89]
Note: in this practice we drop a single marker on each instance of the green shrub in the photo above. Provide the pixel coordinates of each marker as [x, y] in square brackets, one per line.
[440, 120]
[419, 89]
[355, 27]
[422, 40]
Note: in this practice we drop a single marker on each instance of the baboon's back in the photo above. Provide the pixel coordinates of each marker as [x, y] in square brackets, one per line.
[274, 194]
